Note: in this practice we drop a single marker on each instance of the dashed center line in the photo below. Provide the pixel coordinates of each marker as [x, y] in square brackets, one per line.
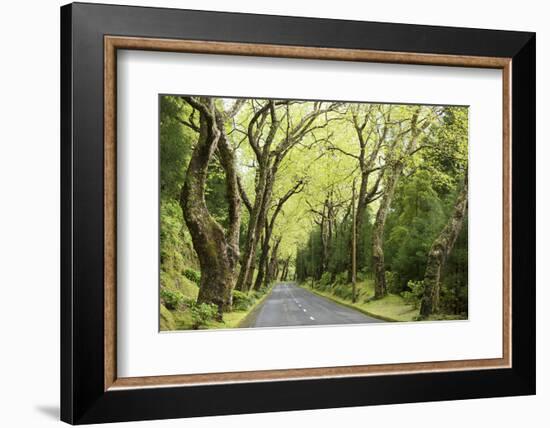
[304, 309]
[312, 319]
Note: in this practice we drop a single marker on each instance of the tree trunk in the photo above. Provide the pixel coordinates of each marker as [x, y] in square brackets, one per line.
[271, 274]
[263, 262]
[284, 272]
[353, 246]
[252, 232]
[229, 165]
[366, 167]
[395, 169]
[217, 250]
[268, 230]
[441, 249]
[269, 159]
[263, 190]
[378, 264]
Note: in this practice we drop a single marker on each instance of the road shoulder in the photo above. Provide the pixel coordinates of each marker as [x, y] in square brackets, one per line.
[350, 305]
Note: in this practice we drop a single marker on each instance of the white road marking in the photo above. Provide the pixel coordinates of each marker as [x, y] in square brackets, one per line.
[304, 310]
[312, 319]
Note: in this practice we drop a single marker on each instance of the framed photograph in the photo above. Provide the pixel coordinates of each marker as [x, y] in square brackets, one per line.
[266, 213]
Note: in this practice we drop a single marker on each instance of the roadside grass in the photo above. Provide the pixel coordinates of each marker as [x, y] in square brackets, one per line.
[390, 308]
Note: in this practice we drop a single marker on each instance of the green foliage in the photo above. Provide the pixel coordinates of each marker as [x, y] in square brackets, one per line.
[446, 155]
[340, 247]
[175, 145]
[192, 275]
[175, 242]
[454, 290]
[325, 279]
[171, 299]
[215, 193]
[202, 313]
[344, 291]
[327, 161]
[417, 218]
[167, 320]
[308, 258]
[243, 301]
[413, 295]
[341, 278]
[392, 282]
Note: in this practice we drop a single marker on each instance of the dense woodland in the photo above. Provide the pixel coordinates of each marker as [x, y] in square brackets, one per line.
[363, 202]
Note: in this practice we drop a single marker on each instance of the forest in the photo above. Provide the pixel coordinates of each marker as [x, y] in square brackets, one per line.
[363, 204]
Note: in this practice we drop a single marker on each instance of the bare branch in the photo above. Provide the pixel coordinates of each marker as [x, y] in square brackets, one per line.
[244, 196]
[338, 149]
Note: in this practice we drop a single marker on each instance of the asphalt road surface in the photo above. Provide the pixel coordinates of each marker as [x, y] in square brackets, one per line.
[290, 305]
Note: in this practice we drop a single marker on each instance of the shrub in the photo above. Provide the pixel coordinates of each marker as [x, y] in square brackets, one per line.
[341, 278]
[201, 313]
[414, 296]
[325, 282]
[192, 275]
[344, 291]
[242, 301]
[363, 275]
[325, 279]
[171, 299]
[259, 293]
[392, 282]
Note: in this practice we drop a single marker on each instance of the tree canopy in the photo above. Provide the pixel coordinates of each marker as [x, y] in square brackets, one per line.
[330, 194]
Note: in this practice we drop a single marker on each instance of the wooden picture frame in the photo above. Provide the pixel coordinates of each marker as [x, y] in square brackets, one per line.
[91, 390]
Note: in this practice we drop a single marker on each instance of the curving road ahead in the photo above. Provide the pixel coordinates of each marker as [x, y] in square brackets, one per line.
[290, 305]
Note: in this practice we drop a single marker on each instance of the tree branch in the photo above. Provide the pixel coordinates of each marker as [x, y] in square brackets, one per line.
[244, 196]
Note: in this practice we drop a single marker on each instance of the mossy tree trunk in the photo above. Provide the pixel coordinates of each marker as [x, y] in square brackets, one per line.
[369, 143]
[217, 249]
[440, 251]
[393, 172]
[263, 188]
[378, 263]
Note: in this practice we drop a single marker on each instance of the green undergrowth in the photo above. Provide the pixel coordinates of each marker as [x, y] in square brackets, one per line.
[390, 308]
[186, 314]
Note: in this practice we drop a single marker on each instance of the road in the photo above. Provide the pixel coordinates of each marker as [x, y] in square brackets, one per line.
[290, 305]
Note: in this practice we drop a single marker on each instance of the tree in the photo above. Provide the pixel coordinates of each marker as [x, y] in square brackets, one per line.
[340, 194]
[270, 147]
[217, 249]
[271, 271]
[268, 230]
[370, 123]
[325, 218]
[416, 218]
[439, 253]
[404, 144]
